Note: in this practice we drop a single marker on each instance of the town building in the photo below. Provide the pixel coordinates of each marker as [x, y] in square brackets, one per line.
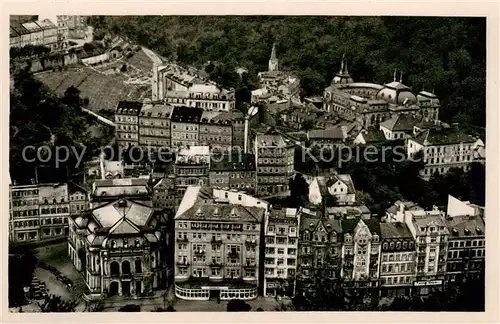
[78, 199]
[281, 251]
[216, 131]
[370, 104]
[399, 127]
[320, 245]
[275, 161]
[339, 186]
[431, 243]
[218, 248]
[361, 252]
[330, 139]
[71, 27]
[234, 171]
[176, 85]
[370, 137]
[192, 166]
[36, 33]
[120, 248]
[54, 210]
[127, 123]
[185, 123]
[154, 125]
[466, 242]
[443, 148]
[24, 220]
[398, 260]
[165, 194]
[238, 130]
[109, 190]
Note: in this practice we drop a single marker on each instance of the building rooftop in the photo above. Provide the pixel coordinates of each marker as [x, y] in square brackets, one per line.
[156, 110]
[222, 212]
[324, 183]
[463, 226]
[121, 187]
[349, 225]
[233, 162]
[403, 122]
[444, 136]
[109, 214]
[372, 136]
[184, 114]
[395, 230]
[50, 192]
[311, 223]
[269, 140]
[129, 107]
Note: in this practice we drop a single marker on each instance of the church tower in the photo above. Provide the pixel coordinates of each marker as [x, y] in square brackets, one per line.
[273, 61]
[343, 76]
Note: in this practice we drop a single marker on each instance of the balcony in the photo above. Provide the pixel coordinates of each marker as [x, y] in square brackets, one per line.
[184, 239]
[216, 265]
[182, 263]
[199, 252]
[233, 254]
[249, 265]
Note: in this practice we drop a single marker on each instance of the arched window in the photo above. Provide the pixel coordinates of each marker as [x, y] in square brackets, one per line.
[113, 244]
[306, 236]
[391, 245]
[126, 267]
[115, 268]
[138, 266]
[137, 242]
[385, 246]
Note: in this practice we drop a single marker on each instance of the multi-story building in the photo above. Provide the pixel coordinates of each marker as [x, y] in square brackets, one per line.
[71, 27]
[466, 242]
[120, 248]
[109, 190]
[36, 33]
[330, 140]
[370, 104]
[320, 245]
[431, 243]
[192, 166]
[361, 253]
[154, 125]
[216, 130]
[275, 158]
[165, 194]
[24, 222]
[78, 199]
[218, 247]
[399, 127]
[397, 264]
[443, 148]
[281, 251]
[185, 126]
[339, 186]
[54, 210]
[234, 171]
[238, 130]
[178, 86]
[127, 123]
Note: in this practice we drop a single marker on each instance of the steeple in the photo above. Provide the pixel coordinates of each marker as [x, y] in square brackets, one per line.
[343, 75]
[401, 77]
[342, 65]
[273, 61]
[394, 75]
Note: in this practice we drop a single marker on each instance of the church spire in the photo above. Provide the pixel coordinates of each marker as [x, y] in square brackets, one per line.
[273, 61]
[342, 65]
[394, 75]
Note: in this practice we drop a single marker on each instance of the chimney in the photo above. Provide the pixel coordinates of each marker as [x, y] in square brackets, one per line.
[344, 131]
[245, 143]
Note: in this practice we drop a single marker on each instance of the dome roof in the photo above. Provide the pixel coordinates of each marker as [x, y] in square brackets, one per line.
[397, 93]
[342, 79]
[425, 96]
[80, 222]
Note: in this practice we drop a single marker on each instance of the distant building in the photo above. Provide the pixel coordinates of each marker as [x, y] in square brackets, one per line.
[127, 123]
[398, 260]
[281, 251]
[339, 186]
[154, 125]
[219, 245]
[361, 253]
[165, 194]
[320, 244]
[275, 161]
[185, 123]
[176, 85]
[78, 199]
[466, 242]
[276, 82]
[370, 137]
[444, 148]
[216, 131]
[192, 167]
[24, 220]
[37, 33]
[399, 127]
[120, 248]
[234, 171]
[331, 138]
[71, 27]
[54, 210]
[370, 104]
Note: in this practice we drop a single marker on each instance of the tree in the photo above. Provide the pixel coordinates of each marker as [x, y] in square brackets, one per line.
[22, 264]
[55, 304]
[307, 125]
[238, 305]
[299, 190]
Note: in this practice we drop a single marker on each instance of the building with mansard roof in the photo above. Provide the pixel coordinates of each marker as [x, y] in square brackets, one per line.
[218, 244]
[120, 248]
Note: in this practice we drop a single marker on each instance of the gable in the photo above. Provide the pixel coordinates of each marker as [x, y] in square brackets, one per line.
[124, 227]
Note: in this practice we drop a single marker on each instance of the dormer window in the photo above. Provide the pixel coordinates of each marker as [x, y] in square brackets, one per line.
[137, 243]
[113, 244]
[125, 243]
[307, 237]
